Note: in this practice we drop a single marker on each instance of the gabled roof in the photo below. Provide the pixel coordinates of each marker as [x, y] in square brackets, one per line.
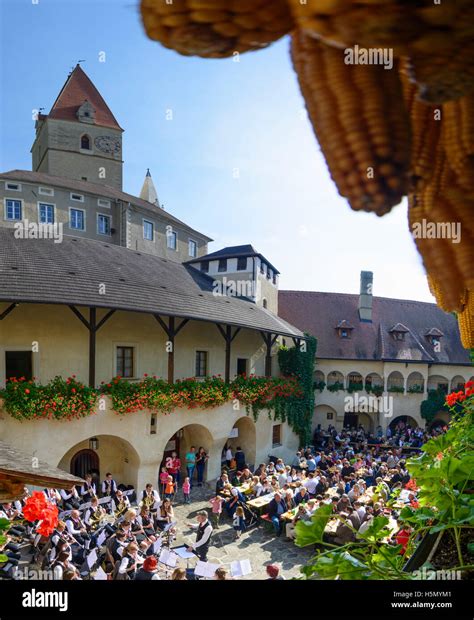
[77, 89]
[434, 331]
[69, 273]
[314, 312]
[344, 325]
[399, 327]
[234, 251]
[96, 189]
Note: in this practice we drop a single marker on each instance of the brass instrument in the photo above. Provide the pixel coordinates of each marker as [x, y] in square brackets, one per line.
[96, 517]
[121, 507]
[148, 502]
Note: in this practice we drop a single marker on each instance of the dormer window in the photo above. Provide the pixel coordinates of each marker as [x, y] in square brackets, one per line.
[344, 329]
[398, 331]
[86, 113]
[85, 142]
[434, 336]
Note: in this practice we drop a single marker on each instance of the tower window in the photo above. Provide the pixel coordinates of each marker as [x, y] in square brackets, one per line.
[86, 143]
[192, 248]
[103, 224]
[13, 209]
[148, 230]
[171, 238]
[242, 263]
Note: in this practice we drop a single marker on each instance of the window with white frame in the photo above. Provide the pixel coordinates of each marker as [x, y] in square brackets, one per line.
[77, 197]
[192, 248]
[201, 363]
[12, 209]
[46, 213]
[125, 362]
[103, 224]
[103, 203]
[148, 230]
[172, 239]
[76, 219]
[13, 187]
[46, 191]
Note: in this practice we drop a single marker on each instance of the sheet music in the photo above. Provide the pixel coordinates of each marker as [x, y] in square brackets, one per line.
[92, 558]
[240, 568]
[205, 569]
[101, 538]
[105, 500]
[157, 545]
[100, 574]
[168, 557]
[184, 553]
[169, 526]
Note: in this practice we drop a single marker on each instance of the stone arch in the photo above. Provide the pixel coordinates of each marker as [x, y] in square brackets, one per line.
[355, 379]
[246, 439]
[415, 382]
[318, 376]
[320, 416]
[366, 421]
[373, 379]
[401, 421]
[395, 381]
[457, 383]
[438, 382]
[335, 377]
[115, 455]
[181, 441]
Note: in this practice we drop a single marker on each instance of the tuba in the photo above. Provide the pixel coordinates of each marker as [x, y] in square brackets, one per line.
[148, 502]
[96, 517]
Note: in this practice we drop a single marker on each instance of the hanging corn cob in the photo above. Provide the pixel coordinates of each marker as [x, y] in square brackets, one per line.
[363, 131]
[466, 322]
[458, 138]
[215, 28]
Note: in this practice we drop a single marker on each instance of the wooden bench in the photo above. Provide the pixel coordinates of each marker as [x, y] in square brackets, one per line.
[267, 522]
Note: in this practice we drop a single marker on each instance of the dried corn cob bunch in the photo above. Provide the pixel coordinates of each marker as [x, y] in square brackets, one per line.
[458, 138]
[363, 131]
[425, 122]
[466, 322]
[215, 28]
[437, 216]
[438, 38]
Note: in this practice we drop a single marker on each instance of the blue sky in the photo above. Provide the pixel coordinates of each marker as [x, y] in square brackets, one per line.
[238, 160]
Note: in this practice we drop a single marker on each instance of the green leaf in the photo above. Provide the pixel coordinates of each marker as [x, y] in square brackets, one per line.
[312, 533]
[376, 530]
[3, 558]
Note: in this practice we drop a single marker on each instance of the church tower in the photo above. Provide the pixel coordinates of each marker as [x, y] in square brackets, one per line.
[80, 137]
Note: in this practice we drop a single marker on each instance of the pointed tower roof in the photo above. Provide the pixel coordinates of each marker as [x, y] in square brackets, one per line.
[77, 89]
[148, 191]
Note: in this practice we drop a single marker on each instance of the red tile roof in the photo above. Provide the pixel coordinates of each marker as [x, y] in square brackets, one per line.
[318, 313]
[77, 88]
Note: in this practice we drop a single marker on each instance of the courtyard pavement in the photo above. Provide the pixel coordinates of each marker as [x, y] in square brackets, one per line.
[258, 544]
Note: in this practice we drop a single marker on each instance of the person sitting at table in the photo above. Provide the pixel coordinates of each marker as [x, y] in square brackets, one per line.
[256, 487]
[302, 496]
[343, 503]
[322, 486]
[360, 509]
[276, 508]
[234, 500]
[311, 483]
[289, 499]
[296, 462]
[221, 483]
[354, 493]
[344, 531]
[353, 517]
[283, 477]
[312, 505]
[293, 476]
[271, 471]
[280, 465]
[302, 514]
[246, 475]
[267, 486]
[368, 520]
[274, 485]
[261, 469]
[311, 463]
[235, 480]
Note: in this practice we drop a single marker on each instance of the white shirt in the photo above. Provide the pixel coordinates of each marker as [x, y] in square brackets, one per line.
[228, 454]
[205, 537]
[311, 485]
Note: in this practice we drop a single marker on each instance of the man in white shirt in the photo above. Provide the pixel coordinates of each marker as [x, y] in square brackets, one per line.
[311, 483]
[203, 535]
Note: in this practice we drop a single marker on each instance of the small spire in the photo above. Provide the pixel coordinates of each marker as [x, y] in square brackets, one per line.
[148, 192]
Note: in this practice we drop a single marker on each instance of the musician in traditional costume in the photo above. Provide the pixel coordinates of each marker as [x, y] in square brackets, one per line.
[109, 486]
[121, 504]
[70, 498]
[150, 498]
[128, 564]
[203, 529]
[94, 515]
[88, 490]
[148, 571]
[76, 527]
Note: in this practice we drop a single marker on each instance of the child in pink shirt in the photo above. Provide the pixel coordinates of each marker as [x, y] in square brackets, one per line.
[187, 490]
[163, 479]
[216, 503]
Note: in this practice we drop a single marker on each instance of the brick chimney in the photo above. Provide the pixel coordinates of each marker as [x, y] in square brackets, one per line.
[365, 296]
